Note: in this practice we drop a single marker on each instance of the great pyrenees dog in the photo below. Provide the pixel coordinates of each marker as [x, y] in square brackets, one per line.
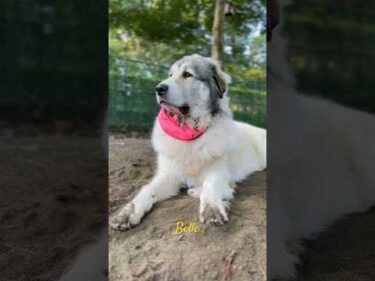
[198, 144]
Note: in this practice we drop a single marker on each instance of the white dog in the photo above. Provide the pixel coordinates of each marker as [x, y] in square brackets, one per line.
[198, 143]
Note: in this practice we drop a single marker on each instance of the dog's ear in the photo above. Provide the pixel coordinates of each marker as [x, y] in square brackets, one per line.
[220, 78]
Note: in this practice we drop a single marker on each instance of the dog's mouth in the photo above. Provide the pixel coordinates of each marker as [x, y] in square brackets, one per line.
[175, 110]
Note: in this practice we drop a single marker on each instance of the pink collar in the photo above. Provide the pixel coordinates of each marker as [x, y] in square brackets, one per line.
[182, 132]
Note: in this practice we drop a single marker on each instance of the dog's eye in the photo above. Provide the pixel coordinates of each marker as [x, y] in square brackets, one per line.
[187, 74]
[170, 74]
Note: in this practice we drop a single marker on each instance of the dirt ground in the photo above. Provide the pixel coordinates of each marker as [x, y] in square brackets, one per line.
[53, 203]
[151, 251]
[73, 195]
[236, 251]
[346, 252]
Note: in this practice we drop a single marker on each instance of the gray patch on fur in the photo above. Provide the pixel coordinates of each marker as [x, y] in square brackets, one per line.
[205, 71]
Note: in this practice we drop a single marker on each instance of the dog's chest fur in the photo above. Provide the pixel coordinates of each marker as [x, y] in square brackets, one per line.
[192, 158]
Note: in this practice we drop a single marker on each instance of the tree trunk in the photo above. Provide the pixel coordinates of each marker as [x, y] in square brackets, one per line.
[217, 31]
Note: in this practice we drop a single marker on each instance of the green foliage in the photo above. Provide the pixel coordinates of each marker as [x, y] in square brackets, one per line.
[146, 36]
[161, 31]
[187, 21]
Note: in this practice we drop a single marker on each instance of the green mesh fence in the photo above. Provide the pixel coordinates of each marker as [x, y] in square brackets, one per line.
[132, 100]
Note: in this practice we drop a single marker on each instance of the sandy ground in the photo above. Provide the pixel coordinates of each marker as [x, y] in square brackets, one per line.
[52, 204]
[151, 251]
[236, 251]
[42, 247]
[346, 252]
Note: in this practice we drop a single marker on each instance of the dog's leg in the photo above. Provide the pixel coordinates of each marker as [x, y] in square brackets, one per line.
[161, 187]
[216, 191]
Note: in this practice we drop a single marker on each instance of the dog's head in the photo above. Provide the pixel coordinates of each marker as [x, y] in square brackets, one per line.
[194, 88]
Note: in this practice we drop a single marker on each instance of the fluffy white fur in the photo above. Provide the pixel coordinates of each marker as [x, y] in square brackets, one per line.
[226, 153]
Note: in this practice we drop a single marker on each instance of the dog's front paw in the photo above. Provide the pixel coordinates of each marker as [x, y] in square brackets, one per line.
[213, 213]
[126, 218]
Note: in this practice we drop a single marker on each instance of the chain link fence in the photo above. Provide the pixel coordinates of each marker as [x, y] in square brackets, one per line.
[132, 103]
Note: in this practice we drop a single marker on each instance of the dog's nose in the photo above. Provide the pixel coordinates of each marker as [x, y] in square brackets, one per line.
[161, 89]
